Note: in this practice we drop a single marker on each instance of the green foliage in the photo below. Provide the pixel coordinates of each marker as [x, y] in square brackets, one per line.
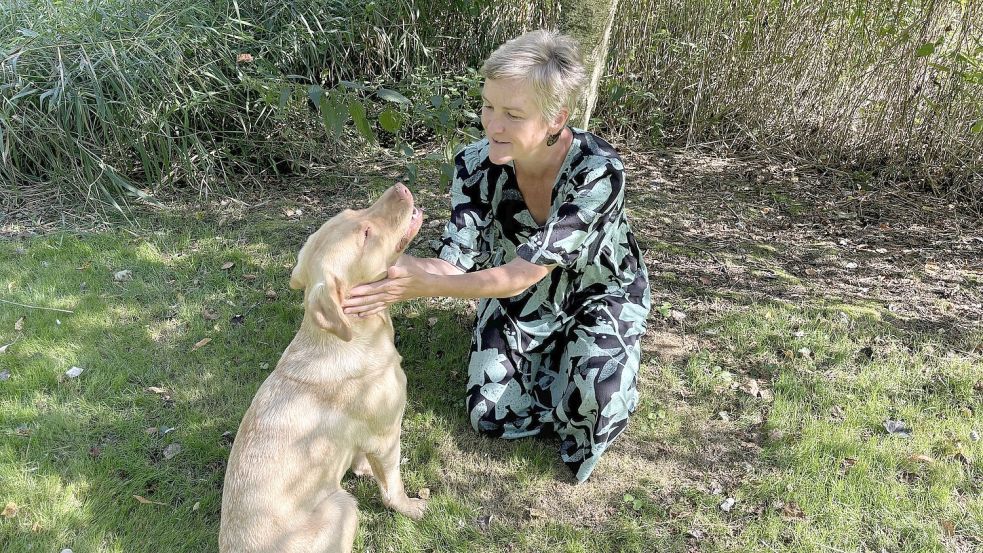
[118, 98]
[441, 110]
[890, 85]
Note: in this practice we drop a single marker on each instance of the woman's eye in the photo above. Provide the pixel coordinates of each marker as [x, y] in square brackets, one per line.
[513, 116]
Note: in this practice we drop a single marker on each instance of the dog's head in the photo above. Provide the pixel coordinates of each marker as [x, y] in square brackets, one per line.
[352, 248]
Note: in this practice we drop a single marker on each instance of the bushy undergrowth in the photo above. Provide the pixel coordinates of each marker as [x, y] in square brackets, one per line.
[107, 98]
[889, 87]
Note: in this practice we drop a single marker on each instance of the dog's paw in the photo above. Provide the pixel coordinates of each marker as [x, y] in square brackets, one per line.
[413, 508]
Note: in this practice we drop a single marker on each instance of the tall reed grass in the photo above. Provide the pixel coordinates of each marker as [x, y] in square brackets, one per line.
[108, 98]
[890, 87]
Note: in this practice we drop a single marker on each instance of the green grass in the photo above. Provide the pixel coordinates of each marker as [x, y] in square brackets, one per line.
[811, 469]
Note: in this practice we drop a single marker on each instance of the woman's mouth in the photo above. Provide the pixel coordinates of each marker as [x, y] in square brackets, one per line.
[499, 142]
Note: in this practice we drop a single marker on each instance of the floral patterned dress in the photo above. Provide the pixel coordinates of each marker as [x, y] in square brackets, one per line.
[563, 356]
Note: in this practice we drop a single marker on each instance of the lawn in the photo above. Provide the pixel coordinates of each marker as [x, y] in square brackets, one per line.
[788, 332]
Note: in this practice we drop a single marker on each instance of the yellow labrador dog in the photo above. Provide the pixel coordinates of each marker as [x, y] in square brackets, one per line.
[335, 400]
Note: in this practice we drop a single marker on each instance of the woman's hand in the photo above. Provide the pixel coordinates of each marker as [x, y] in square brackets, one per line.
[405, 280]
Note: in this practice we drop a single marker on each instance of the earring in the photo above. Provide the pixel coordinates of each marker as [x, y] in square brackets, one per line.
[552, 138]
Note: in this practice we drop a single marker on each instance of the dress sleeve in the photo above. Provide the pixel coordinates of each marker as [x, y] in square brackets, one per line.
[463, 243]
[579, 221]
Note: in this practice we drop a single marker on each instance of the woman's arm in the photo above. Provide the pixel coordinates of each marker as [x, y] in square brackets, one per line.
[432, 265]
[408, 280]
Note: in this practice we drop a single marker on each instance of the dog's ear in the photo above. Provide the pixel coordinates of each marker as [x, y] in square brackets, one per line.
[298, 280]
[324, 303]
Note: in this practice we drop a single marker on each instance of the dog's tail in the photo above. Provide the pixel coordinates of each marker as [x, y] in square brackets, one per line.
[332, 524]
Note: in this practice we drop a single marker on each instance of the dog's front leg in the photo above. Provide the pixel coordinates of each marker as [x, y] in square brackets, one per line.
[385, 466]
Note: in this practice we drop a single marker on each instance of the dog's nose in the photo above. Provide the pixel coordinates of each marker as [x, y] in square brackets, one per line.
[403, 192]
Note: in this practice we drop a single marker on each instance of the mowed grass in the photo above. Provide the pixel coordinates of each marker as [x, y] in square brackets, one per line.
[806, 459]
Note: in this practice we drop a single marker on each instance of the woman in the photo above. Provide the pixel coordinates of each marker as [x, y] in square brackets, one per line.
[538, 233]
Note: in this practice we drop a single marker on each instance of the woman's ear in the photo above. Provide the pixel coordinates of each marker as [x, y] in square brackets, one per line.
[558, 122]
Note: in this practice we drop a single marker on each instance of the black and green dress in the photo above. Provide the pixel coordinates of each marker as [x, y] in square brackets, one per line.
[563, 356]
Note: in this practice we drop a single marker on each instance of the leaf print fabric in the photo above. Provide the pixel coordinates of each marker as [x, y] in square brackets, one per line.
[563, 356]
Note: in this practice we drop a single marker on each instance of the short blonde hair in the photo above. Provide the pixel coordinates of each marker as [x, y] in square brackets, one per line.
[548, 61]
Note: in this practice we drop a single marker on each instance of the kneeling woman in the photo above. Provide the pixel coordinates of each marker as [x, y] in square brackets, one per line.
[538, 232]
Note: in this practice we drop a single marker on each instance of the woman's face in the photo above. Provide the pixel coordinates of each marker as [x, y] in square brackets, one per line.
[515, 127]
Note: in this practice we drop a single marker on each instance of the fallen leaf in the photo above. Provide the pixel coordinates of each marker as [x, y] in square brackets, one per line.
[919, 458]
[792, 510]
[424, 493]
[805, 352]
[146, 501]
[3, 349]
[766, 395]
[201, 343]
[846, 464]
[152, 430]
[249, 277]
[897, 428]
[125, 274]
[10, 511]
[724, 416]
[228, 265]
[84, 266]
[172, 450]
[208, 314]
[728, 504]
[23, 430]
[36, 528]
[677, 315]
[948, 528]
[19, 325]
[165, 430]
[74, 372]
[157, 390]
[244, 58]
[196, 506]
[271, 294]
[750, 387]
[431, 321]
[536, 513]
[4, 375]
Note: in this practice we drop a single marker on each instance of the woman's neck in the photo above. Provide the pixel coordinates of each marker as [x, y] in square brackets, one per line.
[545, 164]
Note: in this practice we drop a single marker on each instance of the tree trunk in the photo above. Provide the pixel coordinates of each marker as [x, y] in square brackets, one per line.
[590, 22]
